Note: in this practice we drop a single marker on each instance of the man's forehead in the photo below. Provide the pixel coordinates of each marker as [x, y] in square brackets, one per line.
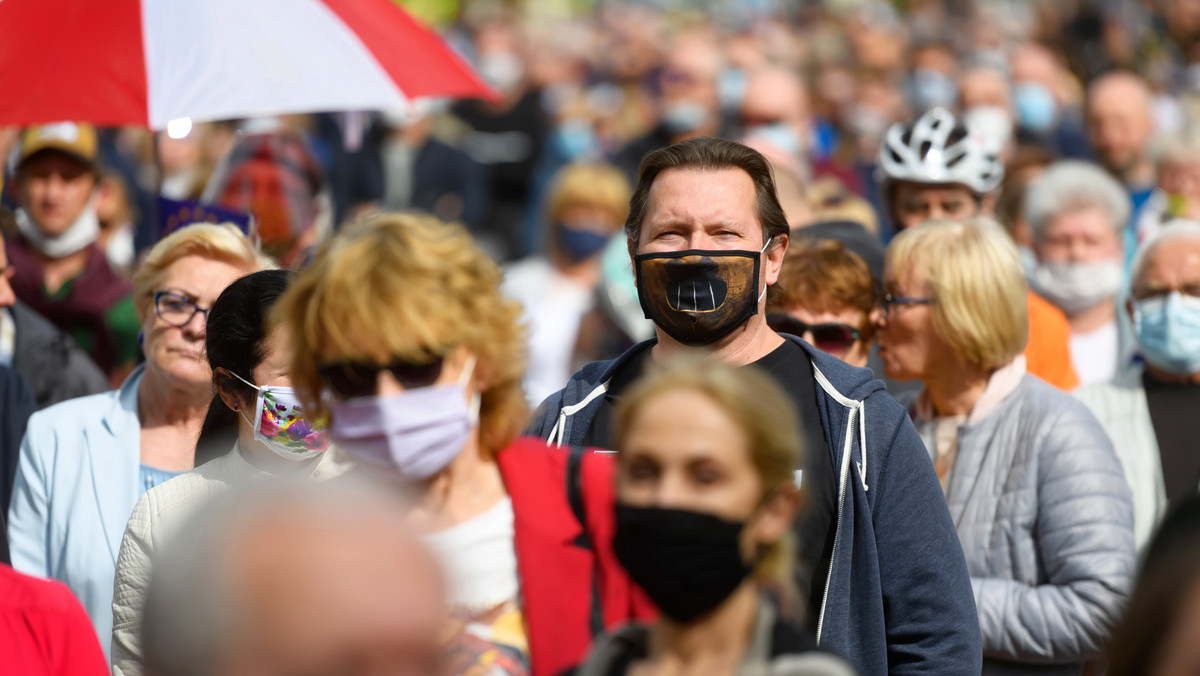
[1172, 259]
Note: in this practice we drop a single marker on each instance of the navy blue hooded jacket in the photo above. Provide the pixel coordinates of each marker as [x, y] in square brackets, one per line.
[898, 599]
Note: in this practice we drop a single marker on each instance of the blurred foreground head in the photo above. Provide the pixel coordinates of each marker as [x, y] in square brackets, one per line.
[295, 579]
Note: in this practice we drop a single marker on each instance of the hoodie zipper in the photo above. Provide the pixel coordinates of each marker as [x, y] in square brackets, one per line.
[837, 534]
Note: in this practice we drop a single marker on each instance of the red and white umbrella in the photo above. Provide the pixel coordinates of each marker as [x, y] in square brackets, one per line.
[145, 62]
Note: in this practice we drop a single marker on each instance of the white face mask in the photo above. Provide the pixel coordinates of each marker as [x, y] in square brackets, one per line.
[1075, 287]
[279, 424]
[78, 236]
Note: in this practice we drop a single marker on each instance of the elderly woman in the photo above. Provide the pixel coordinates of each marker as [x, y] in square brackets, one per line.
[1078, 214]
[826, 296]
[586, 206]
[400, 333]
[274, 438]
[705, 502]
[1033, 484]
[84, 462]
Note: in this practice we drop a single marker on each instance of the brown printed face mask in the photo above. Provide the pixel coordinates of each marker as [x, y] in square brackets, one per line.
[698, 296]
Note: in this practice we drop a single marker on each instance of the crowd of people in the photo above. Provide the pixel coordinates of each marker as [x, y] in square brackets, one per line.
[822, 338]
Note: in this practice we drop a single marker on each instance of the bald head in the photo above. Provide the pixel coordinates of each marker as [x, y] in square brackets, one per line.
[297, 580]
[1121, 125]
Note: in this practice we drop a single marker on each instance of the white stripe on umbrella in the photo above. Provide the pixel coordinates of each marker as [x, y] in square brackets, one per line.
[190, 44]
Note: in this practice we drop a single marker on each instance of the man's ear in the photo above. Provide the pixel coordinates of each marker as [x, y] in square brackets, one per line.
[775, 254]
[631, 246]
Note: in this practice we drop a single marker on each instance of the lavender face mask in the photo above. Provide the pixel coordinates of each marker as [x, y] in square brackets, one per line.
[415, 433]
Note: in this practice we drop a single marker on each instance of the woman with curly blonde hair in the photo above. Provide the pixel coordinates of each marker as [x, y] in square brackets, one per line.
[400, 333]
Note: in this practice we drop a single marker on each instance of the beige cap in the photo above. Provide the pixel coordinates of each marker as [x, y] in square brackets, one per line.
[75, 139]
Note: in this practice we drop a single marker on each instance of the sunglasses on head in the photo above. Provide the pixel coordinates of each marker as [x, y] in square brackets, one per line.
[354, 379]
[833, 338]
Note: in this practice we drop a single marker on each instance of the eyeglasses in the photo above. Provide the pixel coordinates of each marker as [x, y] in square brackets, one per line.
[833, 338]
[175, 308]
[354, 379]
[889, 300]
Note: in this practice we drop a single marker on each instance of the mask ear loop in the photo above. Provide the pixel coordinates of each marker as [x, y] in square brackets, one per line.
[761, 252]
[476, 398]
[258, 404]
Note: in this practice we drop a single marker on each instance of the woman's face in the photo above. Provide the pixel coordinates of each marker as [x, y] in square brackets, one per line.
[1079, 236]
[177, 352]
[830, 339]
[452, 370]
[908, 344]
[683, 451]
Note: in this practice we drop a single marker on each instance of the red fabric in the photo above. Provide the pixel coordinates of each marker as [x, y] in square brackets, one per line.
[44, 630]
[556, 573]
[72, 60]
[393, 37]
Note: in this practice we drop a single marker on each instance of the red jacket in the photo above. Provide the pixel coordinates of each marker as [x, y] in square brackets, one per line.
[44, 631]
[571, 584]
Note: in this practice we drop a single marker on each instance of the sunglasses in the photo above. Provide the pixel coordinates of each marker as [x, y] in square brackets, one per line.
[354, 379]
[835, 339]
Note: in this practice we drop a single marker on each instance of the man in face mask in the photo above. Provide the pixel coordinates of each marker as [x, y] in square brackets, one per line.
[1077, 213]
[1147, 410]
[60, 272]
[706, 236]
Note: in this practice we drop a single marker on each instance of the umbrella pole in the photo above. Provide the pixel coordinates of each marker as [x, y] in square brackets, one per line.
[156, 198]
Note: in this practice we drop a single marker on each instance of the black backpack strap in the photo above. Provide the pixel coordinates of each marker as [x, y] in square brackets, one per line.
[579, 509]
[575, 494]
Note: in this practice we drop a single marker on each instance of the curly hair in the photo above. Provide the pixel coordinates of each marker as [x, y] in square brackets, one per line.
[403, 285]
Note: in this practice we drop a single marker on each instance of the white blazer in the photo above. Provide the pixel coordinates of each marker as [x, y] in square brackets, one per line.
[76, 484]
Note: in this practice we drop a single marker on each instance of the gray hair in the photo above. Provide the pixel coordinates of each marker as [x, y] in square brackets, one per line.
[1173, 230]
[1069, 185]
[189, 613]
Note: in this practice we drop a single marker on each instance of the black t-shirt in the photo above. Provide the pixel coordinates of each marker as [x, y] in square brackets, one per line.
[791, 368]
[1171, 411]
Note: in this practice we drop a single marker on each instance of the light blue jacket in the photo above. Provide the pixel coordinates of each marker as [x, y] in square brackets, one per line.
[76, 485]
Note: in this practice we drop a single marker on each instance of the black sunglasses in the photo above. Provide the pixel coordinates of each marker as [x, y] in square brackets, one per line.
[835, 339]
[354, 379]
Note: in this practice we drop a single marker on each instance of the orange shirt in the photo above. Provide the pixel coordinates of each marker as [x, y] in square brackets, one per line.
[1048, 353]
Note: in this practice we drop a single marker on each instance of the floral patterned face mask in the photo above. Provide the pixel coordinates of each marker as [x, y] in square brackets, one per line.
[279, 423]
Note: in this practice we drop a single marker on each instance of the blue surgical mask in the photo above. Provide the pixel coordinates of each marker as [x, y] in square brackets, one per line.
[1036, 107]
[683, 116]
[932, 88]
[1168, 331]
[779, 134]
[579, 244]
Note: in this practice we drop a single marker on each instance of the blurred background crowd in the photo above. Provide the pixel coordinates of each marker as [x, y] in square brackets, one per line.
[1072, 126]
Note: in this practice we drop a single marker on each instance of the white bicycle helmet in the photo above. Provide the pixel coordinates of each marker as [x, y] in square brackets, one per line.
[936, 149]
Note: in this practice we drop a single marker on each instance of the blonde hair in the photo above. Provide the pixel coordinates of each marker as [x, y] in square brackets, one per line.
[601, 186]
[220, 242]
[407, 286]
[760, 409]
[976, 282]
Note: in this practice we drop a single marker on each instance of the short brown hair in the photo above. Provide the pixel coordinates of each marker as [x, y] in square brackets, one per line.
[821, 274]
[708, 154]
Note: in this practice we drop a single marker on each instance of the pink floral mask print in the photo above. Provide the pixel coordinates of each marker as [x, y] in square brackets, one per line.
[280, 425]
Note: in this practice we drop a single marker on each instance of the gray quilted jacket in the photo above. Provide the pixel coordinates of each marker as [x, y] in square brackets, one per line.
[1046, 522]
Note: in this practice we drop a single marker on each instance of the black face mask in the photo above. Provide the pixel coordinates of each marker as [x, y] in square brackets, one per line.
[699, 296]
[688, 563]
